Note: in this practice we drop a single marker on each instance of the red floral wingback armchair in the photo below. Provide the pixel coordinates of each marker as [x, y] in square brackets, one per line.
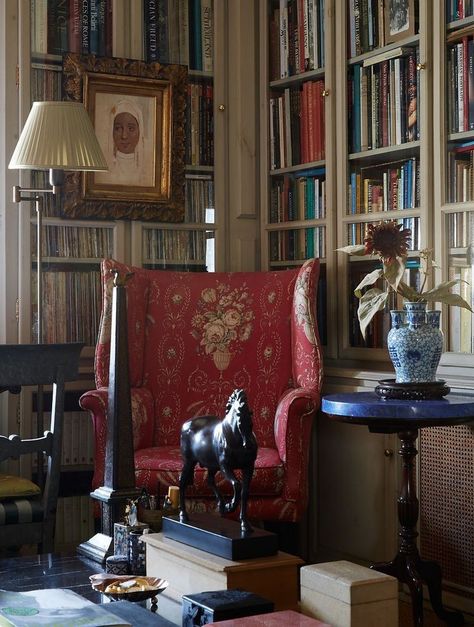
[194, 338]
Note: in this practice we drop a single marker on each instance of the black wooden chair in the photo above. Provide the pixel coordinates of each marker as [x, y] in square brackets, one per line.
[27, 511]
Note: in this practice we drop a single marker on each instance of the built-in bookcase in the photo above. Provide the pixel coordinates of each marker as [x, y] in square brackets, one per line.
[454, 163]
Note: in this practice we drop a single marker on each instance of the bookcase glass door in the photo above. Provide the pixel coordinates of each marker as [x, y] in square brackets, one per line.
[384, 140]
[183, 32]
[458, 191]
[296, 220]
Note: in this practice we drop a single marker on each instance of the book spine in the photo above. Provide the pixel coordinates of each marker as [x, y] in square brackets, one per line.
[470, 82]
[412, 98]
[356, 109]
[85, 27]
[465, 70]
[460, 94]
[150, 18]
[284, 43]
[108, 28]
[357, 27]
[162, 31]
[207, 33]
[39, 19]
[93, 27]
[183, 32]
[57, 26]
[102, 28]
[173, 31]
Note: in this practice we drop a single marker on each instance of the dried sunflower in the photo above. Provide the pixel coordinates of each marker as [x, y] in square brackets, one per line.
[389, 240]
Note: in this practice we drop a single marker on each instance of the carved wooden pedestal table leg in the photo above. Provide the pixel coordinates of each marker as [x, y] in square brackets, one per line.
[407, 566]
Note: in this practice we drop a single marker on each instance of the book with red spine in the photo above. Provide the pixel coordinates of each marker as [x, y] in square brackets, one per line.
[74, 26]
[304, 124]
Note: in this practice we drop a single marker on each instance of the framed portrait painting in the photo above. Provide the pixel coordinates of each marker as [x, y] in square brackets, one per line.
[399, 20]
[137, 110]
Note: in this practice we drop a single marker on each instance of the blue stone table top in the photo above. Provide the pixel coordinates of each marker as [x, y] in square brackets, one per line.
[367, 408]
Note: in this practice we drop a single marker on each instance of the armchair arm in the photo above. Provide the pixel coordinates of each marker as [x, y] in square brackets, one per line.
[96, 402]
[293, 422]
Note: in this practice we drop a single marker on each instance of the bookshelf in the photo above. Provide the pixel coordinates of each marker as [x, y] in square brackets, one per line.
[385, 152]
[298, 185]
[453, 48]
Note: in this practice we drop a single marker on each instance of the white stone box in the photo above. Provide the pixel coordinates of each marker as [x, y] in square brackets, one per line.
[348, 595]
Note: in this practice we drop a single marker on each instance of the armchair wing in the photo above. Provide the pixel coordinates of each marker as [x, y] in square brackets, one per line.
[193, 338]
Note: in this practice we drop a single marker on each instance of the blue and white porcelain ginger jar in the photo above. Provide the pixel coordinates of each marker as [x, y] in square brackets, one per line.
[415, 343]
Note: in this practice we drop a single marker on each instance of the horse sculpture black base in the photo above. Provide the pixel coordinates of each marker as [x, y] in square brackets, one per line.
[224, 445]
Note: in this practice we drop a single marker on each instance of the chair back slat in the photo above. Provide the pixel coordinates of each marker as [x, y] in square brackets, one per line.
[12, 447]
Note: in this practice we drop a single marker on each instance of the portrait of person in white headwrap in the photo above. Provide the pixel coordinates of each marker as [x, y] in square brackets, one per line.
[123, 128]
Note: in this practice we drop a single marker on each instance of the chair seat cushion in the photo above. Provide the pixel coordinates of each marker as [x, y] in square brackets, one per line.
[12, 486]
[18, 511]
[160, 466]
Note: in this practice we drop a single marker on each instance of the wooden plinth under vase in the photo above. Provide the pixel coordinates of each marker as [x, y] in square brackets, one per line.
[420, 391]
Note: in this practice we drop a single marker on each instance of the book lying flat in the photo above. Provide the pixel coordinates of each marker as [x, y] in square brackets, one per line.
[56, 607]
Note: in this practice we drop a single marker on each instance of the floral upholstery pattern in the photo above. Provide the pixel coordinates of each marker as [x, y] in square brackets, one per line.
[195, 337]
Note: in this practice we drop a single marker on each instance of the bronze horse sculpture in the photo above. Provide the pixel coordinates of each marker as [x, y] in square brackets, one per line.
[224, 445]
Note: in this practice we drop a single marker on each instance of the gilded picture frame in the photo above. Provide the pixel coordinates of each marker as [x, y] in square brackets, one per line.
[399, 20]
[138, 113]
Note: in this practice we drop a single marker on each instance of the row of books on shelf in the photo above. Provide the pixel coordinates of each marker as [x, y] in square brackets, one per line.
[460, 173]
[356, 232]
[83, 26]
[460, 85]
[385, 187]
[460, 229]
[74, 521]
[297, 125]
[78, 438]
[74, 242]
[199, 201]
[71, 306]
[366, 26]
[180, 31]
[384, 102]
[296, 37]
[46, 82]
[298, 198]
[174, 246]
[458, 9]
[298, 244]
[199, 144]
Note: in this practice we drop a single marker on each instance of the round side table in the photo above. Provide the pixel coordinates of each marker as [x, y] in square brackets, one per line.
[406, 417]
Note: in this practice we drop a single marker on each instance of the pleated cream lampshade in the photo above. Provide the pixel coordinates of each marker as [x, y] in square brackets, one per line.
[59, 136]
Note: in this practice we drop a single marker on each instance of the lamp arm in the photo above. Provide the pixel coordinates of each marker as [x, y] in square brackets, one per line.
[18, 193]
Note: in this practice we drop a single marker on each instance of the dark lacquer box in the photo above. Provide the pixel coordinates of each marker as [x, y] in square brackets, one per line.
[209, 607]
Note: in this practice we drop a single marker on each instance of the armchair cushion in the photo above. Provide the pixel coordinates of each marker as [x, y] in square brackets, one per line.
[195, 337]
[18, 511]
[14, 487]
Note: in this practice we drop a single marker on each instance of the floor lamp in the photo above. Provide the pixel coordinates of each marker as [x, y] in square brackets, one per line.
[57, 136]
